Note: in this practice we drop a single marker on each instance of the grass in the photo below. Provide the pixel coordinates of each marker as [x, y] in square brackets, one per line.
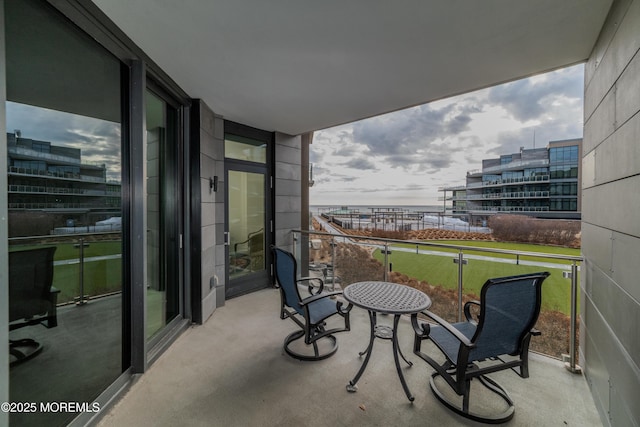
[441, 271]
[100, 276]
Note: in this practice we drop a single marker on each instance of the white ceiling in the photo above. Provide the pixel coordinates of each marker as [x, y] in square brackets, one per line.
[296, 65]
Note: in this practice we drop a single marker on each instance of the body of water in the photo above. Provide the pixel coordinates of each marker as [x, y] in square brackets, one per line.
[315, 209]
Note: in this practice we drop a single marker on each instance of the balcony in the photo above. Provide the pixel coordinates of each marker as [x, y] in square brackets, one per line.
[232, 371]
[512, 195]
[517, 165]
[511, 181]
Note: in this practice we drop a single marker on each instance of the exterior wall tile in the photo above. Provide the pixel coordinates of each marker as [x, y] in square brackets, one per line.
[610, 301]
[212, 209]
[207, 211]
[207, 122]
[618, 158]
[289, 188]
[288, 171]
[612, 53]
[288, 200]
[207, 144]
[610, 206]
[627, 98]
[208, 167]
[208, 236]
[601, 124]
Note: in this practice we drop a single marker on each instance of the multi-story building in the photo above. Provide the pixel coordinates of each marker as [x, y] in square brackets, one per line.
[44, 177]
[541, 182]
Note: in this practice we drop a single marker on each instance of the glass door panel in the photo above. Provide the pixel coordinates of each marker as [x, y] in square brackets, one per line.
[162, 280]
[64, 181]
[246, 223]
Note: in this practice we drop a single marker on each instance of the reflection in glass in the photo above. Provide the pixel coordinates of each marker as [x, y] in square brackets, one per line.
[64, 213]
[246, 222]
[162, 286]
[241, 148]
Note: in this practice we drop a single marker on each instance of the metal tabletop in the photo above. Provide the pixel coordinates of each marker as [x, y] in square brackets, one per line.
[386, 297]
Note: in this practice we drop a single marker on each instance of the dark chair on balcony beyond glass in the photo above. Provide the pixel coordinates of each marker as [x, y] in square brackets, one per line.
[32, 299]
[498, 339]
[249, 254]
[309, 313]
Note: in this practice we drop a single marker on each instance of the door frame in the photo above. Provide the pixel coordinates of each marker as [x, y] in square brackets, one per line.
[261, 279]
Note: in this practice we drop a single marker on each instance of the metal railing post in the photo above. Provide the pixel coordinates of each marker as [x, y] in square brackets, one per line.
[333, 257]
[386, 262]
[460, 261]
[295, 241]
[81, 300]
[573, 367]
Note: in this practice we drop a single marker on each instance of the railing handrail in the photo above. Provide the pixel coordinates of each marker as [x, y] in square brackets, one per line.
[73, 236]
[447, 246]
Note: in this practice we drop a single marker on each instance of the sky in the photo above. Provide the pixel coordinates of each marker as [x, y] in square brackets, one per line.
[99, 140]
[402, 158]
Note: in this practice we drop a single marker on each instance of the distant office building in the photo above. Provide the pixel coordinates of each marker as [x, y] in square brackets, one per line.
[49, 178]
[540, 182]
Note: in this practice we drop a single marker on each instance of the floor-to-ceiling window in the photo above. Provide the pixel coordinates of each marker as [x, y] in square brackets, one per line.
[65, 180]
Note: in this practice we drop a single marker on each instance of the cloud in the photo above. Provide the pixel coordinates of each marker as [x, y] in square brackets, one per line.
[528, 99]
[436, 144]
[360, 163]
[98, 140]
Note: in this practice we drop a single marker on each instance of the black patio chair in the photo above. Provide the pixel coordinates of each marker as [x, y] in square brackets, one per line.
[32, 299]
[309, 313]
[498, 339]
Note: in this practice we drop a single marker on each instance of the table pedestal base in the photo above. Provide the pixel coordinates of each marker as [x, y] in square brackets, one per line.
[386, 333]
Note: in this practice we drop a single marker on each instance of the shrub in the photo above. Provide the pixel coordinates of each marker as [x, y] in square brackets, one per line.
[517, 228]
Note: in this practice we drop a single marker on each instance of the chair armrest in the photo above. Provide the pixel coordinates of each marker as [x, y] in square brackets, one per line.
[467, 309]
[310, 286]
[316, 297]
[423, 331]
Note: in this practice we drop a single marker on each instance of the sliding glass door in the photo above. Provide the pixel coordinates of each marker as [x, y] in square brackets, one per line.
[164, 252]
[65, 205]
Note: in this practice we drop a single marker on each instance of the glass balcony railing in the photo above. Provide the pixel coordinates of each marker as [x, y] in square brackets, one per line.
[450, 274]
[85, 266]
[510, 181]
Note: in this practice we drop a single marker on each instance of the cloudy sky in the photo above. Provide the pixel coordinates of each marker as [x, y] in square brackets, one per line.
[402, 158]
[98, 140]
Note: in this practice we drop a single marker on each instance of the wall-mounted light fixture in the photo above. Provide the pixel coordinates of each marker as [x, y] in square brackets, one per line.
[213, 184]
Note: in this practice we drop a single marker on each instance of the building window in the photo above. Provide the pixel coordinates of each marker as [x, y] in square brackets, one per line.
[563, 154]
[563, 172]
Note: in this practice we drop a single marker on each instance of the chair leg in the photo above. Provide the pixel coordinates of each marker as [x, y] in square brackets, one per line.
[464, 409]
[330, 340]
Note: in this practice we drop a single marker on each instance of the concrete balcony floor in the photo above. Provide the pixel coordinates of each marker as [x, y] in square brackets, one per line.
[232, 371]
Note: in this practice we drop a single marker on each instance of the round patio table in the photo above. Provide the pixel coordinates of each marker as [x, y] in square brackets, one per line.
[386, 298]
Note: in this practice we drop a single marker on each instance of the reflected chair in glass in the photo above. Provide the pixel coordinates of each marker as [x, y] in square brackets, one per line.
[309, 313]
[249, 254]
[32, 299]
[498, 338]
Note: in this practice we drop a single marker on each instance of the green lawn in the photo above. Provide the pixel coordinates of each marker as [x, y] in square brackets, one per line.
[441, 270]
[100, 276]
